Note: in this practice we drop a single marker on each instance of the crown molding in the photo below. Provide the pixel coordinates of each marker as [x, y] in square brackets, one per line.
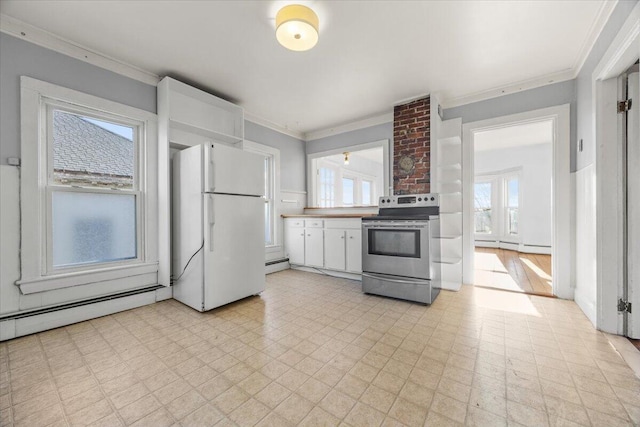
[348, 127]
[606, 9]
[273, 126]
[508, 89]
[411, 99]
[40, 37]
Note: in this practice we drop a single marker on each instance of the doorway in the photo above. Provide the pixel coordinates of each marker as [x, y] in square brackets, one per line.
[513, 168]
[517, 225]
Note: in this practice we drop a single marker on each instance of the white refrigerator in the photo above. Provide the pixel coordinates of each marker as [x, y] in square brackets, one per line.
[218, 225]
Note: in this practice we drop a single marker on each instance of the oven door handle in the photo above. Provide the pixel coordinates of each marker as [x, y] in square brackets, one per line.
[388, 279]
[395, 226]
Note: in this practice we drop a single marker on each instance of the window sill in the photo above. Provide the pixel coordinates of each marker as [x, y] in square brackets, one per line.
[66, 280]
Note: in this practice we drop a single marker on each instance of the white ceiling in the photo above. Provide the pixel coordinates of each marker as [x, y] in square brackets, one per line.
[514, 136]
[371, 54]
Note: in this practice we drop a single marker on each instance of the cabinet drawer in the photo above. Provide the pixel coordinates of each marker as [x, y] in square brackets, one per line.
[343, 223]
[313, 223]
[295, 223]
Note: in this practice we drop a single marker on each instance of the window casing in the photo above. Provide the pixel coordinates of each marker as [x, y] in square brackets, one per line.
[81, 223]
[496, 204]
[271, 190]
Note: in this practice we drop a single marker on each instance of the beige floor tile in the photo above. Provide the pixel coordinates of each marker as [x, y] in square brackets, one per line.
[337, 403]
[363, 415]
[273, 394]
[111, 420]
[229, 400]
[319, 418]
[159, 418]
[526, 415]
[313, 390]
[249, 413]
[408, 413]
[480, 418]
[315, 350]
[378, 398]
[487, 401]
[91, 414]
[207, 415]
[294, 408]
[214, 387]
[435, 419]
[185, 404]
[560, 410]
[139, 409]
[449, 407]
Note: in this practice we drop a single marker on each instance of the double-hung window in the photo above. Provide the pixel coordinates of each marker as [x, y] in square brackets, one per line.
[88, 190]
[271, 188]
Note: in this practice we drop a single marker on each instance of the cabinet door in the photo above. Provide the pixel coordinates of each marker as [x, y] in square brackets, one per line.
[354, 251]
[314, 247]
[334, 249]
[294, 244]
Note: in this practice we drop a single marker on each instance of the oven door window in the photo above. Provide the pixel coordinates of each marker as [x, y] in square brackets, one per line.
[389, 242]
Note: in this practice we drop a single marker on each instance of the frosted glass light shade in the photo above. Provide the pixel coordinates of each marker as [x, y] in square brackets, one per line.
[297, 27]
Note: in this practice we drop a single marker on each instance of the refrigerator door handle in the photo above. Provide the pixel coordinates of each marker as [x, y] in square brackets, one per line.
[212, 221]
[209, 174]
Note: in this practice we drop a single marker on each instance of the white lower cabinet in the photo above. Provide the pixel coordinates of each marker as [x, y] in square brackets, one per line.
[313, 247]
[354, 251]
[294, 243]
[334, 244]
[334, 249]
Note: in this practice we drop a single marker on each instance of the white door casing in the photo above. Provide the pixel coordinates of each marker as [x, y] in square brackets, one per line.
[562, 230]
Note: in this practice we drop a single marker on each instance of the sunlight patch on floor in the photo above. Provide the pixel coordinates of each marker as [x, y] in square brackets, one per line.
[505, 301]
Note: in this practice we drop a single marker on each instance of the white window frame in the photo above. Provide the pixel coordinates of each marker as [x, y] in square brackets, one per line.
[499, 206]
[312, 167]
[274, 155]
[319, 184]
[37, 272]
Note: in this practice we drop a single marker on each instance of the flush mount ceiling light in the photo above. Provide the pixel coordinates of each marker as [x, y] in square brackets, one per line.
[297, 27]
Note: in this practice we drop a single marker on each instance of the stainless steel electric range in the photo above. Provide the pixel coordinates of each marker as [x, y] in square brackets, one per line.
[399, 247]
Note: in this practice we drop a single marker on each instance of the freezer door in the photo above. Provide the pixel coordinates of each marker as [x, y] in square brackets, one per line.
[230, 170]
[234, 248]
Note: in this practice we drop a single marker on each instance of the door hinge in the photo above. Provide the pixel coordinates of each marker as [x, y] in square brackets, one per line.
[624, 306]
[624, 106]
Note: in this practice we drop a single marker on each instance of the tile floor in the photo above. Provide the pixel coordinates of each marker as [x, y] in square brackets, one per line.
[313, 350]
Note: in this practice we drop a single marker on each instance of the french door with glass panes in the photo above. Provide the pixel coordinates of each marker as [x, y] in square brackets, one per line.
[496, 207]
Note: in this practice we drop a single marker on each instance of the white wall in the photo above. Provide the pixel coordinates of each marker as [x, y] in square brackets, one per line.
[536, 162]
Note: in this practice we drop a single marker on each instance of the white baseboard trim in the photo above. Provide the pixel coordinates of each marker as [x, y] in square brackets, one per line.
[274, 268]
[333, 273]
[518, 247]
[21, 326]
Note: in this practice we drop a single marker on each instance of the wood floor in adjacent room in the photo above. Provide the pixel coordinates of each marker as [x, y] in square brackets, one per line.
[513, 271]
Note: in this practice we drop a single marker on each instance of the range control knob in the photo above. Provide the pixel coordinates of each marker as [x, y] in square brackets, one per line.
[388, 201]
[419, 199]
[433, 198]
[382, 200]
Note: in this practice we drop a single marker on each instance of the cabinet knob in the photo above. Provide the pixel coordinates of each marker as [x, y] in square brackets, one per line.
[342, 237]
[309, 235]
[351, 237]
[302, 234]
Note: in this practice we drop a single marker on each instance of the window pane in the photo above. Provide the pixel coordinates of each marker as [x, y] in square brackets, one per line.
[513, 189]
[267, 223]
[366, 192]
[327, 198]
[513, 220]
[91, 152]
[91, 228]
[347, 191]
[482, 204]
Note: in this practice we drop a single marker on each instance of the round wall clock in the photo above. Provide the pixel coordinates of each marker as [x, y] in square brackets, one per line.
[406, 163]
